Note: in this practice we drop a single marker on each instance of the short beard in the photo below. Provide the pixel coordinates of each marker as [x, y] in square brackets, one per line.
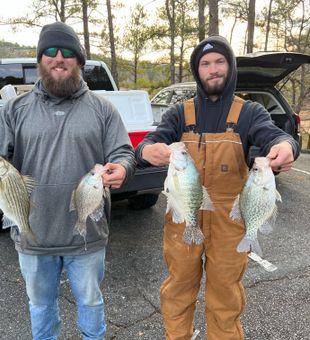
[215, 90]
[61, 88]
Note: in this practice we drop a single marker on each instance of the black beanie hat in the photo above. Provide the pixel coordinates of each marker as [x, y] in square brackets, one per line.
[59, 34]
[212, 46]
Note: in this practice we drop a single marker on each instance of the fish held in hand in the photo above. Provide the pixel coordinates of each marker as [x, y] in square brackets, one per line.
[256, 205]
[15, 191]
[185, 193]
[88, 199]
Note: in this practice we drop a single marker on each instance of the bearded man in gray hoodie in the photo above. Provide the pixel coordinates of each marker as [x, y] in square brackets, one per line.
[56, 133]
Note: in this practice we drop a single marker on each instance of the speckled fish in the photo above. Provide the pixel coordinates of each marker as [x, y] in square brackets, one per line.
[256, 205]
[88, 199]
[15, 192]
[185, 193]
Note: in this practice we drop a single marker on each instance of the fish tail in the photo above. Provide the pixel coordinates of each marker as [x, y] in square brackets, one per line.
[248, 244]
[80, 228]
[193, 234]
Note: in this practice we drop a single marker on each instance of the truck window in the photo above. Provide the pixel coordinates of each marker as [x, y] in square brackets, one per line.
[97, 78]
[11, 74]
[15, 74]
[30, 75]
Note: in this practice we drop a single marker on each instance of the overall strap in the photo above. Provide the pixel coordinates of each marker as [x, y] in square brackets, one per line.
[232, 118]
[189, 113]
[234, 111]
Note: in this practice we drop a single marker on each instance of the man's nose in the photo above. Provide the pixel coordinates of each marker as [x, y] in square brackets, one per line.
[59, 56]
[212, 68]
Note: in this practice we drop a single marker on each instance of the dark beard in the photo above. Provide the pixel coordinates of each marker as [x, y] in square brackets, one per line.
[214, 90]
[61, 88]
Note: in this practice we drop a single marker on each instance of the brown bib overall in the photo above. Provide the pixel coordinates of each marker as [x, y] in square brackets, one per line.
[220, 160]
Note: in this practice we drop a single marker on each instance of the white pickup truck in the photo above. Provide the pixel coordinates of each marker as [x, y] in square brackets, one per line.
[134, 106]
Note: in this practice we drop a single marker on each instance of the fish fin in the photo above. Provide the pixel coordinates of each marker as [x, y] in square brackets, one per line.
[177, 215]
[248, 244]
[80, 228]
[72, 201]
[278, 196]
[266, 228]
[206, 201]
[193, 234]
[29, 182]
[98, 212]
[235, 213]
[7, 222]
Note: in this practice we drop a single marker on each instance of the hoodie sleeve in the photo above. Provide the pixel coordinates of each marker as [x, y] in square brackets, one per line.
[168, 131]
[261, 131]
[6, 132]
[117, 145]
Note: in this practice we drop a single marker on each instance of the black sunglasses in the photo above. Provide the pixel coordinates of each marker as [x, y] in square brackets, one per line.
[52, 52]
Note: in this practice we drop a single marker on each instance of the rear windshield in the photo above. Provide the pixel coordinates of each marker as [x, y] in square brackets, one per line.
[19, 74]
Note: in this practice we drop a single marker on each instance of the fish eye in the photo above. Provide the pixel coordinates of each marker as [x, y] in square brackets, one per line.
[184, 153]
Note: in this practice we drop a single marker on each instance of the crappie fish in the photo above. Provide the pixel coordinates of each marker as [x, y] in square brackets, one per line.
[185, 193]
[15, 192]
[256, 205]
[88, 199]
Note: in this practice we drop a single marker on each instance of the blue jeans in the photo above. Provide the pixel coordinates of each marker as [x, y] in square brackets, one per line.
[85, 274]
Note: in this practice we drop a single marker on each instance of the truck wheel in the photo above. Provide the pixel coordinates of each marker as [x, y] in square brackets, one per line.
[142, 201]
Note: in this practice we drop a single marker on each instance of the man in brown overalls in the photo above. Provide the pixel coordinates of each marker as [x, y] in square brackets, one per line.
[218, 130]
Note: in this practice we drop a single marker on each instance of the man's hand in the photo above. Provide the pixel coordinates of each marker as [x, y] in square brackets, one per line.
[157, 154]
[281, 157]
[114, 175]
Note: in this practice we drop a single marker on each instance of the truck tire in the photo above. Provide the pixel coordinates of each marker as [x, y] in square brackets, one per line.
[143, 201]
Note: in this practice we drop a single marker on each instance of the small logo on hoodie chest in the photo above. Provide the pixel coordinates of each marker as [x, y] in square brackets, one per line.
[59, 113]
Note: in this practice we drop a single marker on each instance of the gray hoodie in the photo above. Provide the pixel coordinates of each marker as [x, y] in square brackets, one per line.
[57, 141]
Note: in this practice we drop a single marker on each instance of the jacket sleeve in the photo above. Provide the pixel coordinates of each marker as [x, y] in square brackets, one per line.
[117, 145]
[6, 132]
[168, 131]
[263, 133]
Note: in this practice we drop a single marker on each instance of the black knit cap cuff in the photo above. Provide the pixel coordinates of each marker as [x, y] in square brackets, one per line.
[209, 47]
[59, 34]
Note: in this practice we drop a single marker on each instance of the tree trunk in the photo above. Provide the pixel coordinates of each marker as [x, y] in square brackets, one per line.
[268, 25]
[201, 20]
[112, 44]
[213, 17]
[171, 18]
[85, 27]
[251, 25]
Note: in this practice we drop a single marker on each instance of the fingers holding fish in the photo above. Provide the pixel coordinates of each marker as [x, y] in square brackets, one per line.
[281, 157]
[113, 175]
[157, 154]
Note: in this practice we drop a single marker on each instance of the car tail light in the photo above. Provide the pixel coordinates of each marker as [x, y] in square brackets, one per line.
[136, 137]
